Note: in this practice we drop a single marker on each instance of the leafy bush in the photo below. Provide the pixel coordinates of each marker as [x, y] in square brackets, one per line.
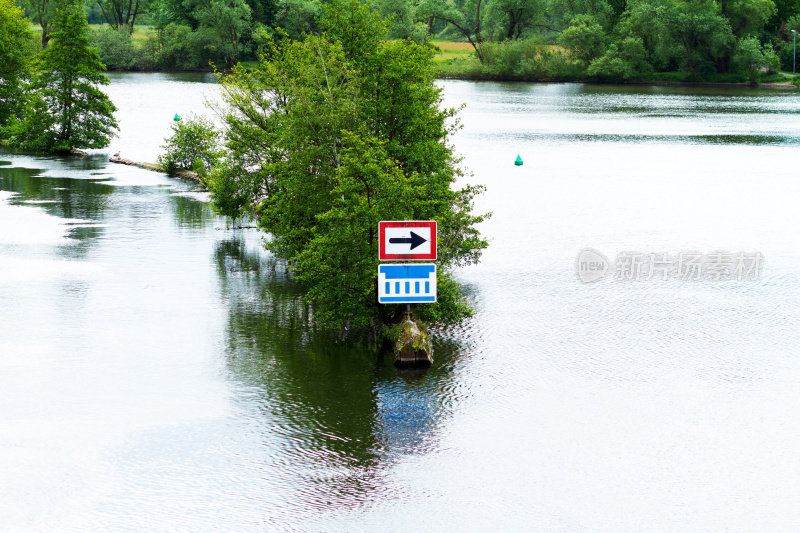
[193, 145]
[527, 59]
[750, 58]
[115, 47]
[17, 51]
[515, 59]
[177, 51]
[623, 61]
[147, 54]
[584, 38]
[558, 66]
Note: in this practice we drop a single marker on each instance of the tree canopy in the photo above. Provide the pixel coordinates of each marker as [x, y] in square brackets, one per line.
[66, 108]
[533, 39]
[16, 54]
[42, 12]
[329, 136]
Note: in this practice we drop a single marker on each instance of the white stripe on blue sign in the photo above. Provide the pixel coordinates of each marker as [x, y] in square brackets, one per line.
[408, 283]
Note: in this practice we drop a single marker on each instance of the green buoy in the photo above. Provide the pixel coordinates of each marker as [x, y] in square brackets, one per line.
[518, 162]
[177, 117]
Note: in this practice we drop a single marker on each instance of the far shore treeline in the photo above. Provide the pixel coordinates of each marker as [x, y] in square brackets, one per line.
[599, 40]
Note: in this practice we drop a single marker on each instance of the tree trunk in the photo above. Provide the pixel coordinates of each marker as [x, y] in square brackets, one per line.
[723, 63]
[511, 25]
[478, 23]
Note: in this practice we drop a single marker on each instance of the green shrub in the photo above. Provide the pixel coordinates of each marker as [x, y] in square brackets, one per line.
[751, 57]
[116, 48]
[584, 39]
[558, 66]
[668, 76]
[624, 60]
[193, 145]
[513, 59]
[177, 51]
[147, 54]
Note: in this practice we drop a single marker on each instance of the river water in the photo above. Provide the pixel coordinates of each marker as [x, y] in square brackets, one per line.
[158, 372]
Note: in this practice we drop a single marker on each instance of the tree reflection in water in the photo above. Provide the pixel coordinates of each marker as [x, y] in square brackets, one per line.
[335, 416]
[60, 187]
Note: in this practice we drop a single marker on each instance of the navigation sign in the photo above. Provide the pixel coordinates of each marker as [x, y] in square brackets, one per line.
[407, 240]
[407, 284]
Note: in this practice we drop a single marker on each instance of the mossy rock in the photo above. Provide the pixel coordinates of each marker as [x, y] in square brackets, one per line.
[412, 346]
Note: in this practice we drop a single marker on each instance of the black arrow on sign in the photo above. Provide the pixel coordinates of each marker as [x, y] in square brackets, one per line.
[415, 240]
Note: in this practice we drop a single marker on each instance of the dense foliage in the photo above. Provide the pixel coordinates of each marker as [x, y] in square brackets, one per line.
[16, 55]
[193, 145]
[330, 135]
[561, 39]
[64, 108]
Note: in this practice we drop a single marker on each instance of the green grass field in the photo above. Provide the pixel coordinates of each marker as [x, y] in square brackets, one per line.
[140, 33]
[447, 50]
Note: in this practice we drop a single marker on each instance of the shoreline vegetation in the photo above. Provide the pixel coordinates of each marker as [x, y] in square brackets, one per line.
[453, 59]
[658, 42]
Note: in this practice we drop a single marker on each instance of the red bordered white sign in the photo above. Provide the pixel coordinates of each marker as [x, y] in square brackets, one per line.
[407, 240]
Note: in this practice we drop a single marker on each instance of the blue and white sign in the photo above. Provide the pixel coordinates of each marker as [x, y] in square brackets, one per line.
[407, 283]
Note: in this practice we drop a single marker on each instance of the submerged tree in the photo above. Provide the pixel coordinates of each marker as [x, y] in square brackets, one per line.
[331, 135]
[67, 109]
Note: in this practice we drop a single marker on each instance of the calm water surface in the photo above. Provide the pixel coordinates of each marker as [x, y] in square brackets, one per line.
[158, 371]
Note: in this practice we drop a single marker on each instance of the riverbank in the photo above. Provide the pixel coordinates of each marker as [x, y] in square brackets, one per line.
[496, 78]
[470, 69]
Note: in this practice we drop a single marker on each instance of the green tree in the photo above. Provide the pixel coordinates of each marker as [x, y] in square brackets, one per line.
[42, 12]
[747, 17]
[584, 39]
[263, 11]
[176, 50]
[562, 12]
[465, 16]
[115, 47]
[750, 57]
[510, 19]
[331, 135]
[16, 53]
[122, 14]
[623, 60]
[702, 34]
[296, 17]
[647, 21]
[404, 22]
[67, 109]
[193, 145]
[784, 10]
[226, 23]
